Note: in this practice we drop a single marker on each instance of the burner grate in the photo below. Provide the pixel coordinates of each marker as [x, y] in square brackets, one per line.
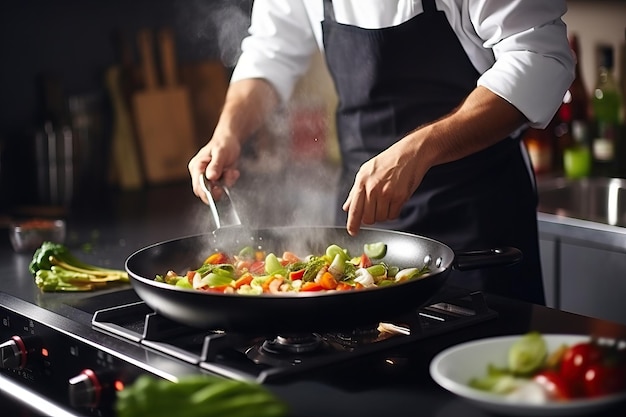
[252, 357]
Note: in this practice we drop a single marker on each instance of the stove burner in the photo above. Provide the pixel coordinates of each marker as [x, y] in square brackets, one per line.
[359, 335]
[292, 344]
[257, 357]
[287, 349]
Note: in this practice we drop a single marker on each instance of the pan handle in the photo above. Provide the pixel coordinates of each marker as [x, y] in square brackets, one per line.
[504, 256]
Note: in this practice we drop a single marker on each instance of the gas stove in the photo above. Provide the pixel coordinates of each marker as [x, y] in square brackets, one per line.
[266, 358]
[79, 360]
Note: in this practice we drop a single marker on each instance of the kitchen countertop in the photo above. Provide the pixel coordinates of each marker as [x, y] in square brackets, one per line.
[128, 221]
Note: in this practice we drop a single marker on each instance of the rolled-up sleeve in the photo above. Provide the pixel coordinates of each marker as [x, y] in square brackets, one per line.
[534, 65]
[279, 45]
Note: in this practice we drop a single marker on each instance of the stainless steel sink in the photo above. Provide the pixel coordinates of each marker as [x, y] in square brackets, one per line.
[601, 200]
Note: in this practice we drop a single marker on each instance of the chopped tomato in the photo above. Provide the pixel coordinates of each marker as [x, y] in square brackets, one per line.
[555, 385]
[296, 275]
[217, 258]
[365, 261]
[257, 267]
[311, 286]
[328, 281]
[604, 379]
[244, 280]
[576, 359]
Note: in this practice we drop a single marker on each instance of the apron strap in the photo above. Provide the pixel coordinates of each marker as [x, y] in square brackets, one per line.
[329, 11]
[429, 6]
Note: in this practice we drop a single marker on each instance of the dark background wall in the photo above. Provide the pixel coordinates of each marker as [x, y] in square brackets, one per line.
[74, 41]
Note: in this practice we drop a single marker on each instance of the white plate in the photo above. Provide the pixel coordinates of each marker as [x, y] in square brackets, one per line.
[455, 366]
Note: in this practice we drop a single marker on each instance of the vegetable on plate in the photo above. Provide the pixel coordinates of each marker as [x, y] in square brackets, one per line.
[588, 369]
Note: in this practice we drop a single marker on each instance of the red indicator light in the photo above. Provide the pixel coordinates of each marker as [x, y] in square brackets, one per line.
[44, 352]
[119, 385]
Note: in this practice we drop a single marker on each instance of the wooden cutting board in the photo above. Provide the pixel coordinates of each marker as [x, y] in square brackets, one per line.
[126, 159]
[207, 82]
[163, 113]
[126, 169]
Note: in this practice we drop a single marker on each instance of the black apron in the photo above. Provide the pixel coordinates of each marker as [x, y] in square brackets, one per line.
[390, 81]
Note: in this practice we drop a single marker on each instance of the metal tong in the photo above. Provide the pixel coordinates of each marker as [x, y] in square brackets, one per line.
[232, 218]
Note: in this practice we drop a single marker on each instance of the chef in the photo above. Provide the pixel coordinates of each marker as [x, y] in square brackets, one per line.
[433, 97]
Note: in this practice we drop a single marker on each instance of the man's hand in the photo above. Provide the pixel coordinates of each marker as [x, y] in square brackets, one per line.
[386, 182]
[246, 108]
[217, 160]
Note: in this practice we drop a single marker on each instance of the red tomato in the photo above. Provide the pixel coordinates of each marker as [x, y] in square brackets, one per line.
[365, 261]
[296, 275]
[576, 359]
[555, 384]
[601, 379]
[257, 267]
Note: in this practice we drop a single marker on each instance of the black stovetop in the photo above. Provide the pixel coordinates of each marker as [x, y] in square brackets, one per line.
[270, 357]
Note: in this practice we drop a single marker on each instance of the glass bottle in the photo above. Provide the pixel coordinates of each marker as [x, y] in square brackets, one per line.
[606, 103]
[577, 156]
[574, 108]
[539, 143]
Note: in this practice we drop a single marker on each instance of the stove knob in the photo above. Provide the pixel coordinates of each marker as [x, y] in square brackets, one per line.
[85, 389]
[13, 353]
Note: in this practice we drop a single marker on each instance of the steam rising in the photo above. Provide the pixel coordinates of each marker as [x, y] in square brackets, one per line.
[221, 23]
[274, 189]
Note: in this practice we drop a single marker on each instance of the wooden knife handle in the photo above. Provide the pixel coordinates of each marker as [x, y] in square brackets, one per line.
[146, 53]
[168, 57]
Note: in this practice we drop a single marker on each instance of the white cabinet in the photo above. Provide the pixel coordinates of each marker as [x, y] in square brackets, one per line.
[584, 267]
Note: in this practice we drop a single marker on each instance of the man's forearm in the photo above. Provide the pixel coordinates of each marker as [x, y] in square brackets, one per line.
[481, 121]
[246, 108]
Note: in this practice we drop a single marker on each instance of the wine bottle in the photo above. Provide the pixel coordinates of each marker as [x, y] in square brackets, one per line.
[577, 156]
[606, 103]
[575, 109]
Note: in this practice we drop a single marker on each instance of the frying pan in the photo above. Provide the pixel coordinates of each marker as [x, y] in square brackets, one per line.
[311, 311]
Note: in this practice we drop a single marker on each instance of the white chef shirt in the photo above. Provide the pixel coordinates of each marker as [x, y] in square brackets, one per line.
[519, 47]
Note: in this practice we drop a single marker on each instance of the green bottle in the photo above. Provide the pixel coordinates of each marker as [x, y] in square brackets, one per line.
[606, 103]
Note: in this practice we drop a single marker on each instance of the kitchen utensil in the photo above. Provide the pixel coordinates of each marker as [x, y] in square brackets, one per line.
[163, 114]
[297, 312]
[233, 217]
[455, 366]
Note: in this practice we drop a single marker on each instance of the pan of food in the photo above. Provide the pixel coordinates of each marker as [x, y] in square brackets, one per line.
[297, 278]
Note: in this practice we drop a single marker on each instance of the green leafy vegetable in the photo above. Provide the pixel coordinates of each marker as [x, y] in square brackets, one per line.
[375, 250]
[527, 354]
[197, 395]
[55, 268]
